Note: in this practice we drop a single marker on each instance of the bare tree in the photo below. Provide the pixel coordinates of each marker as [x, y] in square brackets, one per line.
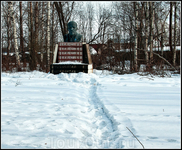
[42, 33]
[162, 22]
[90, 11]
[36, 27]
[174, 50]
[85, 13]
[151, 4]
[103, 20]
[146, 33]
[170, 26]
[15, 34]
[83, 22]
[21, 34]
[53, 32]
[48, 36]
[124, 16]
[32, 50]
[9, 33]
[136, 35]
[64, 10]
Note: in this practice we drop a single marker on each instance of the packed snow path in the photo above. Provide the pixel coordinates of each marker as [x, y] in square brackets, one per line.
[40, 110]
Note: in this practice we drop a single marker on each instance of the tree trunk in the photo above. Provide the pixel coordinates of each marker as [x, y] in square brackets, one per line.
[29, 35]
[131, 58]
[90, 19]
[61, 17]
[163, 31]
[48, 36]
[146, 35]
[174, 50]
[42, 31]
[136, 35]
[9, 32]
[15, 35]
[32, 42]
[162, 41]
[53, 43]
[36, 27]
[21, 35]
[157, 28]
[32, 53]
[36, 34]
[64, 17]
[170, 26]
[151, 30]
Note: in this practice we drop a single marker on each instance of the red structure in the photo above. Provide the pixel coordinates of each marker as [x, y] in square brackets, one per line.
[70, 51]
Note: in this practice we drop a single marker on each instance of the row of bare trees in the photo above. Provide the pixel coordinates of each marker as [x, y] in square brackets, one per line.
[34, 33]
[148, 26]
[147, 23]
[31, 29]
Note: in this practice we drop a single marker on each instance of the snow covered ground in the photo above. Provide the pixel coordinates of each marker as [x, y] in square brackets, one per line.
[78, 110]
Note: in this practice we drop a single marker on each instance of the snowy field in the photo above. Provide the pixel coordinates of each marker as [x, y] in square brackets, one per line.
[78, 110]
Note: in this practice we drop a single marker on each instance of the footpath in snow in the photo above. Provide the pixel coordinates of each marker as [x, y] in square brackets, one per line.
[79, 110]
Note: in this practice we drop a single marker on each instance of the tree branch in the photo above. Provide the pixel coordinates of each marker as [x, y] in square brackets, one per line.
[161, 58]
[136, 137]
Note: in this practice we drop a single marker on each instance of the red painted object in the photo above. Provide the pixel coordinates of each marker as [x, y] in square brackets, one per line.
[70, 51]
